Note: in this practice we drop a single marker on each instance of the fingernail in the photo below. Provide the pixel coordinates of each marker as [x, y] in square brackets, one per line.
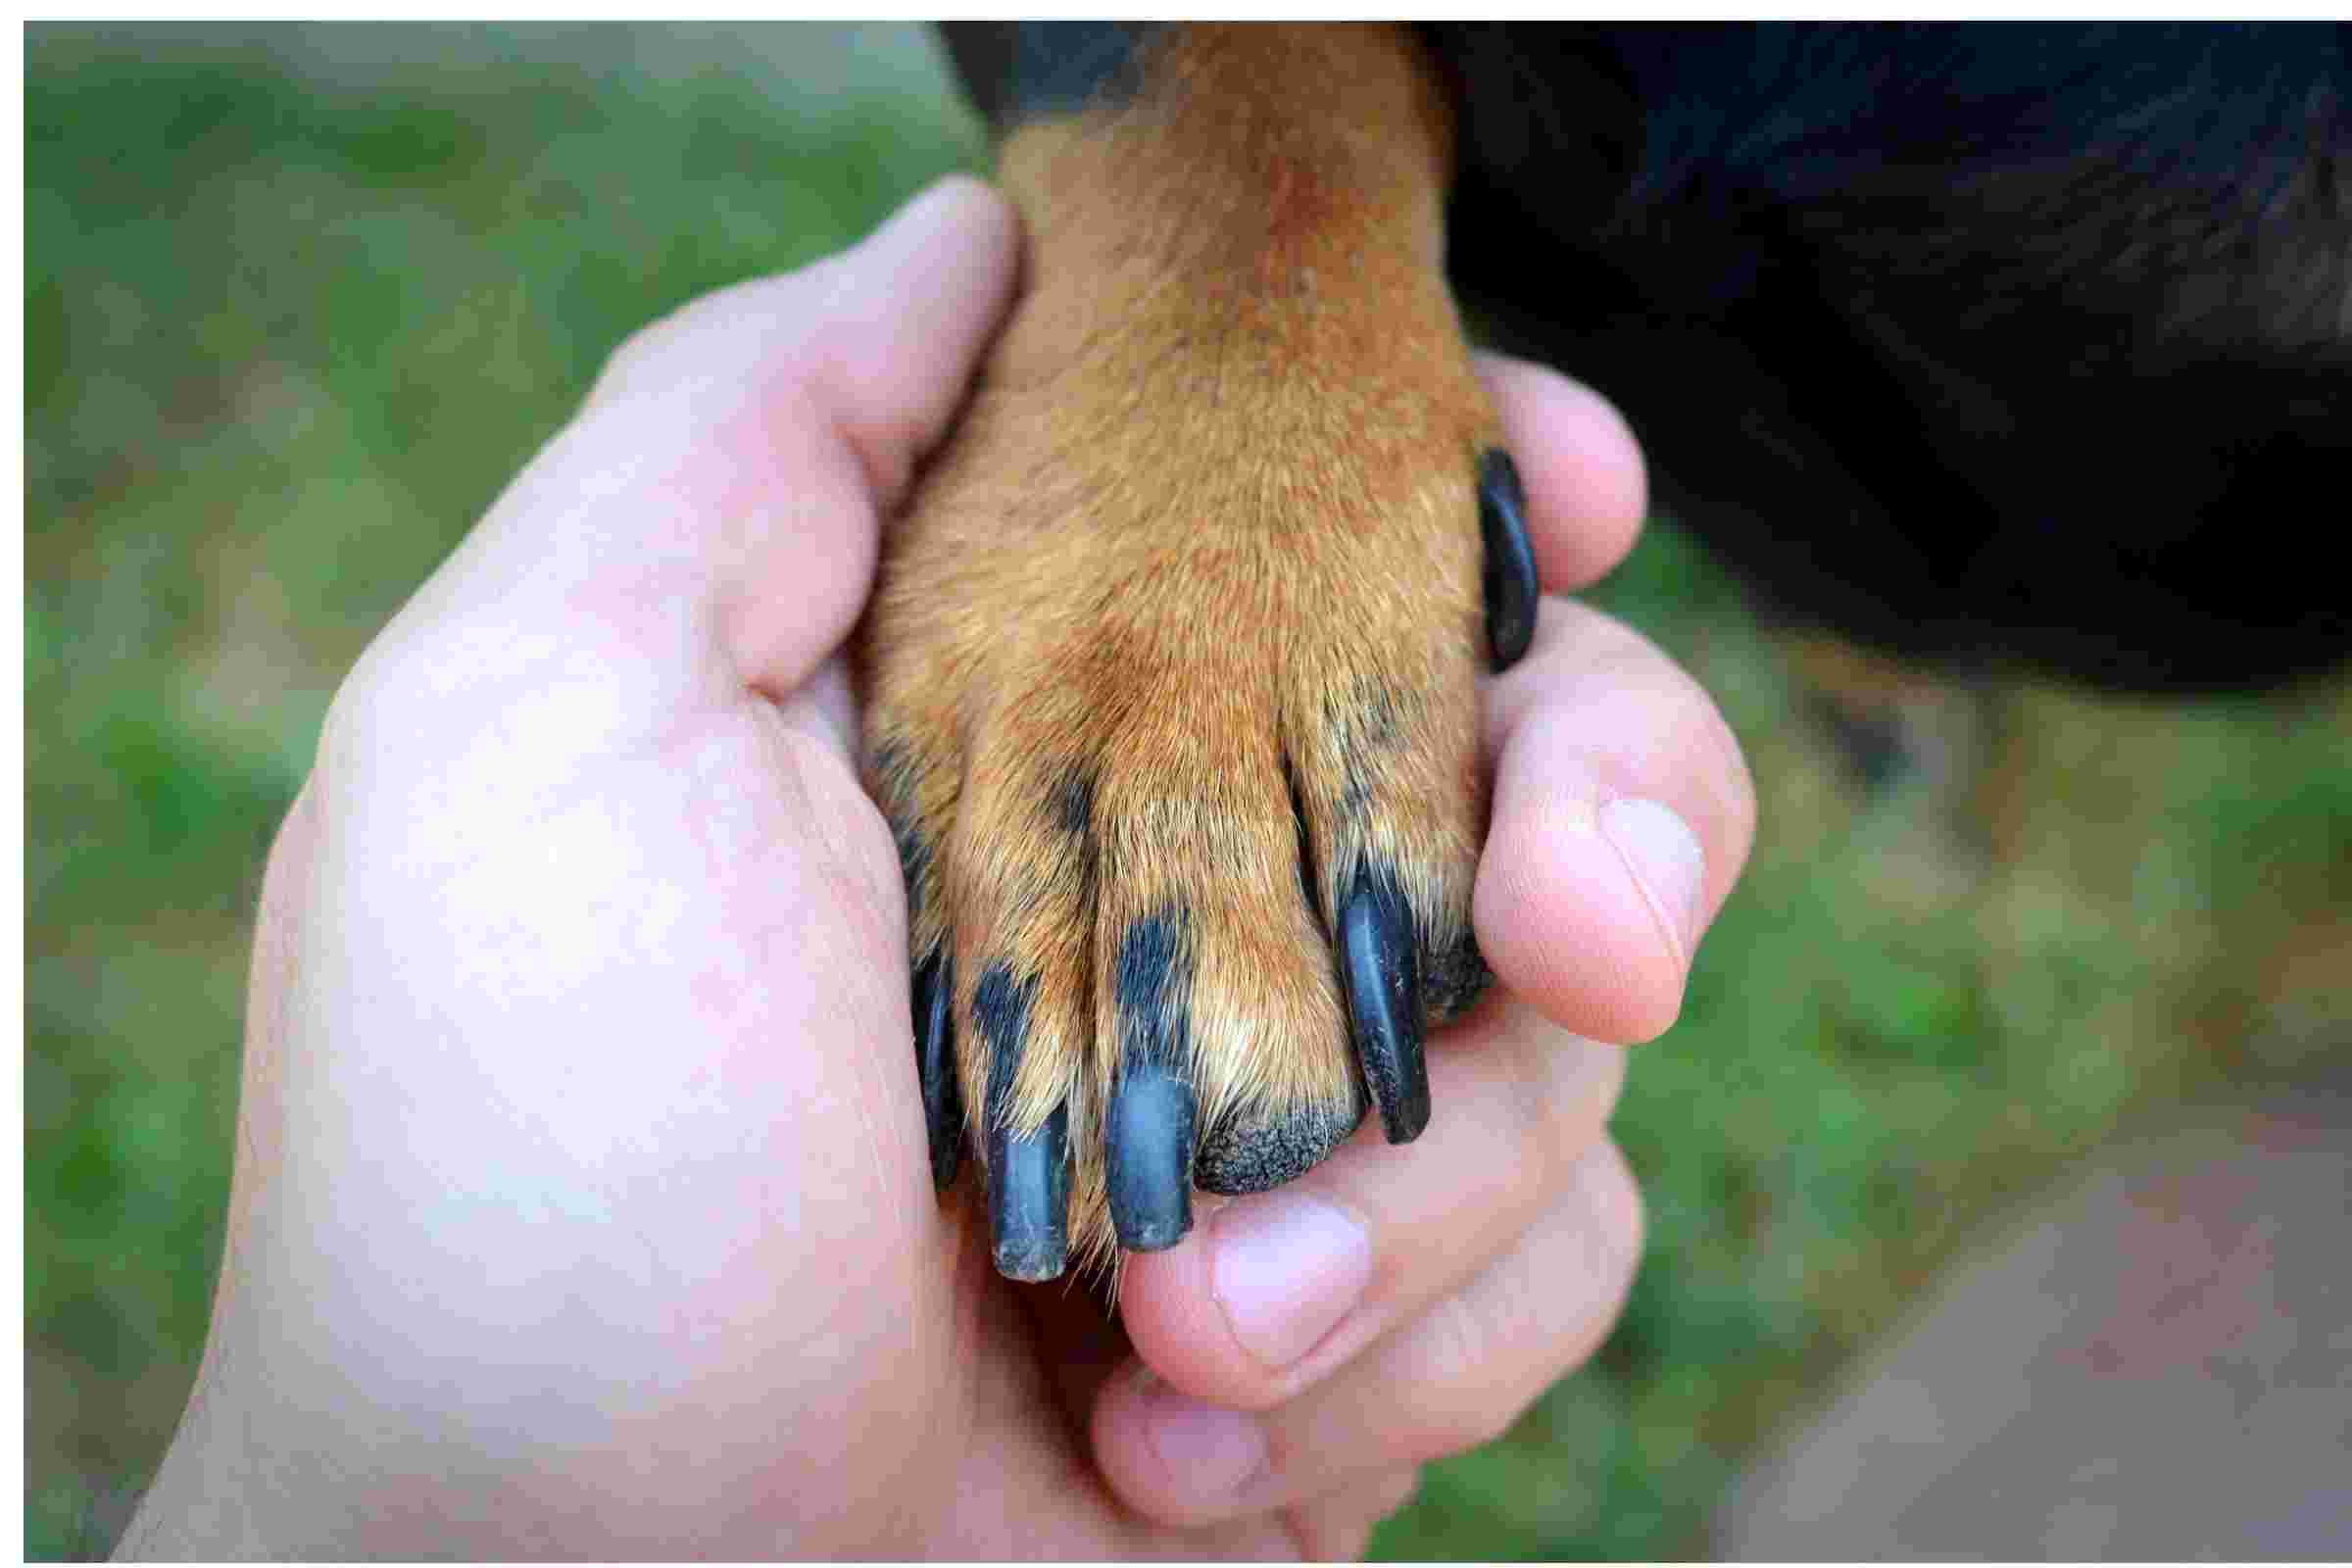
[1287, 1268]
[1666, 861]
[1210, 1451]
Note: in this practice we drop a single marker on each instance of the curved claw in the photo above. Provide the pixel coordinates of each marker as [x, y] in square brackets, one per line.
[1150, 1126]
[1029, 1199]
[1028, 1178]
[1510, 569]
[1147, 1150]
[934, 1000]
[1380, 969]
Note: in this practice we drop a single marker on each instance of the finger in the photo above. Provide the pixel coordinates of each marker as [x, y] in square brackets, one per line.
[853, 368]
[728, 471]
[1276, 1291]
[1452, 1378]
[879, 339]
[1586, 483]
[1623, 812]
[1338, 1527]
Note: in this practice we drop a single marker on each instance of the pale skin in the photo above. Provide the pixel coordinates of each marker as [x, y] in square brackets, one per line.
[583, 1205]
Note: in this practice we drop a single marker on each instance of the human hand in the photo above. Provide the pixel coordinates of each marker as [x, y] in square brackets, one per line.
[582, 1202]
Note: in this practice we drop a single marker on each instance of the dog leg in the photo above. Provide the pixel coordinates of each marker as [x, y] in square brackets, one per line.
[1170, 680]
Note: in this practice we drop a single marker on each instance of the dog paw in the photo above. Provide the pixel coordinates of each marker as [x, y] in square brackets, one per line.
[1170, 701]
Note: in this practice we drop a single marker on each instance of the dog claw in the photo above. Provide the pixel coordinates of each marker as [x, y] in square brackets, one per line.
[1510, 569]
[1028, 1177]
[1029, 1199]
[1380, 968]
[1153, 1115]
[1149, 1152]
[934, 1000]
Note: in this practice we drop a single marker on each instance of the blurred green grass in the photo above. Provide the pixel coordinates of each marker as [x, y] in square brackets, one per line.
[299, 300]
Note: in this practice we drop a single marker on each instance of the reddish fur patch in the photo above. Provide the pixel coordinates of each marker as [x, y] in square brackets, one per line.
[1297, 208]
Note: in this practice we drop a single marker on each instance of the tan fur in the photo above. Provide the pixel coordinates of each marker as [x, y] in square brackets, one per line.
[1207, 532]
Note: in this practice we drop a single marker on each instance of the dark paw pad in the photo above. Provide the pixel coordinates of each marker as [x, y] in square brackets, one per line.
[1254, 1157]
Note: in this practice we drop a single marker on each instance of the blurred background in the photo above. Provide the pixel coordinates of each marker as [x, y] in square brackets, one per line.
[299, 301]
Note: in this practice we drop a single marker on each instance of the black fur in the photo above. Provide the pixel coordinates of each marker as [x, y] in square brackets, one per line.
[1980, 341]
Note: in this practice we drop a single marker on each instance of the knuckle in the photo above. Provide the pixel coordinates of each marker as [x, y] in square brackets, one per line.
[1319, 1533]
[651, 343]
[1682, 721]
[1622, 1219]
[1563, 1088]
[1488, 1353]
[1465, 1408]
[1468, 1428]
[1543, 1150]
[1740, 788]
[631, 355]
[1700, 730]
[658, 341]
[384, 684]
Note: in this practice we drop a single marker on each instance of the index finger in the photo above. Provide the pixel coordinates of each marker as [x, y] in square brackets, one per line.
[1623, 814]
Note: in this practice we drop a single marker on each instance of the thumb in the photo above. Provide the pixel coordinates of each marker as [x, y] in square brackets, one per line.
[729, 470]
[879, 339]
[895, 340]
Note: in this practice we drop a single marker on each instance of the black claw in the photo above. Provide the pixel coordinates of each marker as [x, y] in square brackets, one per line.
[1148, 1148]
[1153, 1114]
[933, 995]
[1028, 1178]
[1510, 574]
[1029, 1199]
[1380, 968]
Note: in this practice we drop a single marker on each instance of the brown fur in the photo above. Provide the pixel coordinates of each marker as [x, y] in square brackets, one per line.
[1194, 589]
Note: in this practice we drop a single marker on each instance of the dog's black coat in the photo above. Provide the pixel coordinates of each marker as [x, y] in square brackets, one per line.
[1982, 341]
